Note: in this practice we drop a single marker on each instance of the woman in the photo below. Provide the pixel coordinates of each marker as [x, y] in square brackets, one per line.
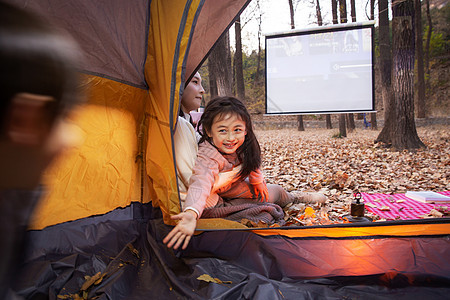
[185, 137]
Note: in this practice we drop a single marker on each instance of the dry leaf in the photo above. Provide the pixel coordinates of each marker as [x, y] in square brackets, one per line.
[208, 278]
[436, 213]
[261, 224]
[309, 213]
[246, 222]
[133, 250]
[92, 280]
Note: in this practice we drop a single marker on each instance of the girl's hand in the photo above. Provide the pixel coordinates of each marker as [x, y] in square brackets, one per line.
[261, 191]
[183, 231]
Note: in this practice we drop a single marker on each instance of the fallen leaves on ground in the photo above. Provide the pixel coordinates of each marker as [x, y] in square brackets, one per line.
[313, 160]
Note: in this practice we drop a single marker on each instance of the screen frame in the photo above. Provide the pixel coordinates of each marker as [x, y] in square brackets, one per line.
[324, 29]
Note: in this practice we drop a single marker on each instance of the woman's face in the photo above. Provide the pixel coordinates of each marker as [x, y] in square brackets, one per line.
[193, 94]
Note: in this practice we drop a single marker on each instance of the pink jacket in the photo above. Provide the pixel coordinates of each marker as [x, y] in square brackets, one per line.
[209, 163]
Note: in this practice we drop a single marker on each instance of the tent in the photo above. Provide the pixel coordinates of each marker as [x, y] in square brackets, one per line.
[97, 234]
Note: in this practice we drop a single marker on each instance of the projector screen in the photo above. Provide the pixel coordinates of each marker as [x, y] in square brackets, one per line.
[322, 70]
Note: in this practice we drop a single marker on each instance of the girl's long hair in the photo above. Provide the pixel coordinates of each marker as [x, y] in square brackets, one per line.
[249, 153]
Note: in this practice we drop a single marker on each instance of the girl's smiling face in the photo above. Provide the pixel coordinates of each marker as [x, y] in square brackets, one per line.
[228, 133]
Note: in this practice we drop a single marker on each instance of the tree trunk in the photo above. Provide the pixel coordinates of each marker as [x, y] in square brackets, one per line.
[320, 23]
[385, 70]
[372, 9]
[328, 121]
[353, 10]
[258, 63]
[318, 14]
[351, 118]
[342, 123]
[421, 102]
[334, 11]
[300, 126]
[291, 11]
[240, 86]
[373, 116]
[342, 130]
[427, 47]
[404, 128]
[220, 60]
[258, 59]
[350, 122]
[212, 80]
[373, 121]
[343, 11]
[335, 21]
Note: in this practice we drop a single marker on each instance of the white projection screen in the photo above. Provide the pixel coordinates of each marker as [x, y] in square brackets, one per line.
[321, 70]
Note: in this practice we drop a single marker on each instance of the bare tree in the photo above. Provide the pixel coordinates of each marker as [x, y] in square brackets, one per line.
[343, 19]
[421, 102]
[427, 45]
[343, 11]
[373, 116]
[320, 23]
[318, 14]
[334, 11]
[372, 9]
[371, 16]
[403, 134]
[258, 58]
[385, 69]
[300, 127]
[353, 10]
[350, 122]
[238, 70]
[342, 130]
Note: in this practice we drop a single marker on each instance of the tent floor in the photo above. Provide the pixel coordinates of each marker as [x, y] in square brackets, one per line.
[125, 247]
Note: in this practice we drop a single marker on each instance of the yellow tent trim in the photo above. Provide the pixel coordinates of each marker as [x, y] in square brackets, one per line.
[163, 70]
[342, 232]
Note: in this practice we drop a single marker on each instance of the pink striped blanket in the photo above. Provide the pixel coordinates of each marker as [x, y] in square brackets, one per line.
[398, 206]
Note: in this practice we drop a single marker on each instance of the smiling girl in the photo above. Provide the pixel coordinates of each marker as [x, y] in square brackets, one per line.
[227, 167]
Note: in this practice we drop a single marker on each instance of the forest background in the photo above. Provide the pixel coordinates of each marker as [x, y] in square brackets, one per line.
[243, 47]
[365, 161]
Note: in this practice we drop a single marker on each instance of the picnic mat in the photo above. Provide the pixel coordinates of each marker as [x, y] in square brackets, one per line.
[400, 207]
